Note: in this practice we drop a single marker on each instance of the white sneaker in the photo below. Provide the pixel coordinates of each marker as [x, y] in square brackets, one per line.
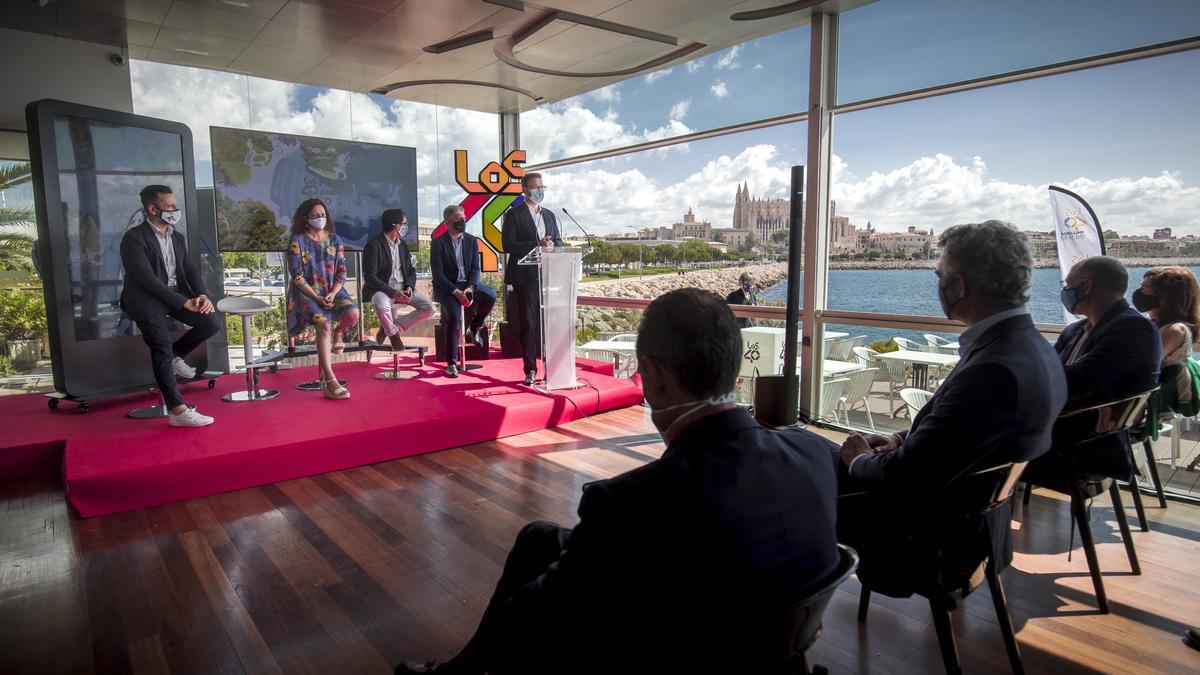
[188, 418]
[182, 369]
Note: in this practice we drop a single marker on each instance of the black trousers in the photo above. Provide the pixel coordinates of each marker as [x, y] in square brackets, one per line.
[529, 304]
[537, 545]
[485, 300]
[156, 334]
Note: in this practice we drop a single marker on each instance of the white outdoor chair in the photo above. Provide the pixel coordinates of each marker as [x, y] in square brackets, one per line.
[935, 340]
[624, 337]
[858, 389]
[857, 341]
[837, 350]
[831, 396]
[910, 345]
[865, 357]
[895, 373]
[605, 355]
[915, 399]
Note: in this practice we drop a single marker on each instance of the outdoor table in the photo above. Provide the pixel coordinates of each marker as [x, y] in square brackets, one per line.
[920, 362]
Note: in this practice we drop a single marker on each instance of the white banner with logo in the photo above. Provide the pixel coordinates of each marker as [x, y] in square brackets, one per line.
[1077, 230]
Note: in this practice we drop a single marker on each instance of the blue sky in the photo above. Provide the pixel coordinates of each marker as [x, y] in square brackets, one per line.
[1123, 136]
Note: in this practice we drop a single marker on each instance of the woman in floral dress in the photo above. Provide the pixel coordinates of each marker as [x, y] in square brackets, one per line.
[317, 297]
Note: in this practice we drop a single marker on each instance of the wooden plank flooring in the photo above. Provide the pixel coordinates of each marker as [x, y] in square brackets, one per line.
[352, 571]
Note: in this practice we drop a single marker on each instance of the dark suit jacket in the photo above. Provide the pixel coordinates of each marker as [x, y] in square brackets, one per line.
[1121, 357]
[445, 268]
[377, 268]
[998, 405]
[520, 237]
[674, 565]
[145, 293]
[737, 298]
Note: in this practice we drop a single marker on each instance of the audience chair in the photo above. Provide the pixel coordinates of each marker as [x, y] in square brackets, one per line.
[965, 500]
[798, 629]
[915, 399]
[1082, 426]
[1145, 434]
[857, 390]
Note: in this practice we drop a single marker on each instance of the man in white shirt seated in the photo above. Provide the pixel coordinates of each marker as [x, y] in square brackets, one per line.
[390, 280]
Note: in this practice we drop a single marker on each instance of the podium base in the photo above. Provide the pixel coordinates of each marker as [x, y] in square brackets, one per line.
[541, 385]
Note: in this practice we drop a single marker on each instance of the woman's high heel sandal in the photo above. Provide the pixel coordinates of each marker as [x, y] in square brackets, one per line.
[335, 392]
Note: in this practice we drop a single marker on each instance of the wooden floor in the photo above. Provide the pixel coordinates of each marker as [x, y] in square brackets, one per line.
[352, 571]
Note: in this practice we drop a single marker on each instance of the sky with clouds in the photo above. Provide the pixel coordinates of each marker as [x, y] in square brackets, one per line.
[1122, 136]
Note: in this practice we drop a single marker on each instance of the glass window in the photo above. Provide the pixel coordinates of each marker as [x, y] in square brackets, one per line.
[893, 46]
[904, 173]
[765, 77]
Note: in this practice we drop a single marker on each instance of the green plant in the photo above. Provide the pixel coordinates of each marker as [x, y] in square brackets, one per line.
[7, 367]
[883, 346]
[22, 314]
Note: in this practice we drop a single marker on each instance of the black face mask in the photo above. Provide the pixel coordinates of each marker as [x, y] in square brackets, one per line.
[1144, 302]
[459, 225]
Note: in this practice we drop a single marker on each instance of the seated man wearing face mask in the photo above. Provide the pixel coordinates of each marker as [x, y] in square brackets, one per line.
[673, 565]
[162, 280]
[454, 259]
[391, 280]
[1114, 352]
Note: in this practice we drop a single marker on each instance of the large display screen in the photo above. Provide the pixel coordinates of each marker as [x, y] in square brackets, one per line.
[101, 169]
[259, 178]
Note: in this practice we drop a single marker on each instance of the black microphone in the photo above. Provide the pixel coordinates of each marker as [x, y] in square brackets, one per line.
[585, 232]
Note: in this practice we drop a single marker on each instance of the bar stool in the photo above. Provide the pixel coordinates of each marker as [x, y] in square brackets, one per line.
[395, 373]
[160, 410]
[312, 385]
[246, 308]
[462, 341]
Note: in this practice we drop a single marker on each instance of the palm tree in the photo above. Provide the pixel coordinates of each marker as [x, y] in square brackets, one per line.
[16, 224]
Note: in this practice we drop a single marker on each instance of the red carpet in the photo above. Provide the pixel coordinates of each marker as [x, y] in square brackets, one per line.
[112, 462]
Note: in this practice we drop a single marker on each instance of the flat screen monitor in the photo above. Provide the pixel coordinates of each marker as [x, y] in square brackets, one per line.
[89, 165]
[259, 178]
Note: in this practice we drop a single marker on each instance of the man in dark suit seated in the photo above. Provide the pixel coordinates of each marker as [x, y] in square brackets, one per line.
[997, 406]
[527, 226]
[1113, 353]
[454, 259]
[391, 280]
[162, 280]
[675, 565]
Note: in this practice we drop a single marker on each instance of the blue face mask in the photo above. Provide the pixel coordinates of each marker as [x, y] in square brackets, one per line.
[746, 287]
[1070, 298]
[537, 194]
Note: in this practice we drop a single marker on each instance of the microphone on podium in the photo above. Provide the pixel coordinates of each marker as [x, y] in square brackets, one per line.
[585, 232]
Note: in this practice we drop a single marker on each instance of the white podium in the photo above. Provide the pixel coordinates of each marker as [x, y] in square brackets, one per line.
[762, 351]
[559, 271]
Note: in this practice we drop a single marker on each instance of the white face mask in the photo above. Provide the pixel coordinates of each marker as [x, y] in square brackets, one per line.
[171, 217]
[403, 231]
[318, 223]
[730, 397]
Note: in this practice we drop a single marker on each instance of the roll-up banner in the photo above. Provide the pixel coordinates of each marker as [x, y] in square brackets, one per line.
[1078, 233]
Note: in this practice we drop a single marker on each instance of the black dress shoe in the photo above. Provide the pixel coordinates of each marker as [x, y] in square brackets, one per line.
[451, 370]
[476, 337]
[427, 667]
[530, 375]
[1192, 638]
[379, 337]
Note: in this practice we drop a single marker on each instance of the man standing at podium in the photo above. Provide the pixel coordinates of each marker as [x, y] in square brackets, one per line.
[527, 226]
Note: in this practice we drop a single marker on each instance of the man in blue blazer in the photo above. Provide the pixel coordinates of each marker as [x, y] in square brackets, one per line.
[528, 225]
[1113, 353]
[454, 259]
[674, 566]
[997, 406]
[162, 280]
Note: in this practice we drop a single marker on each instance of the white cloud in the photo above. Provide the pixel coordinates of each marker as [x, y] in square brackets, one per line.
[719, 89]
[757, 66]
[939, 192]
[693, 66]
[680, 110]
[657, 75]
[729, 60]
[567, 129]
[609, 94]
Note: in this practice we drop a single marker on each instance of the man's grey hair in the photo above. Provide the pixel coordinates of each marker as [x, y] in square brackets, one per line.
[994, 257]
[449, 211]
[745, 277]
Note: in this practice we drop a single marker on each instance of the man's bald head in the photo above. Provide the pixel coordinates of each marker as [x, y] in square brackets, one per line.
[1108, 276]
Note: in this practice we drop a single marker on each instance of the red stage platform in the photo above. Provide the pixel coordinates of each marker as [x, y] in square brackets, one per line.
[111, 462]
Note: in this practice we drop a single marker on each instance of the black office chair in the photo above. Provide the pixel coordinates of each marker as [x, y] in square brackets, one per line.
[800, 627]
[1084, 426]
[970, 498]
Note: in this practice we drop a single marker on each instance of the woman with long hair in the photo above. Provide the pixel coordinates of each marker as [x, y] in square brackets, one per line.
[1169, 296]
[317, 296]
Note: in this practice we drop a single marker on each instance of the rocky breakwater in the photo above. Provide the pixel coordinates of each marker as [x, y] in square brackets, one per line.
[604, 320]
